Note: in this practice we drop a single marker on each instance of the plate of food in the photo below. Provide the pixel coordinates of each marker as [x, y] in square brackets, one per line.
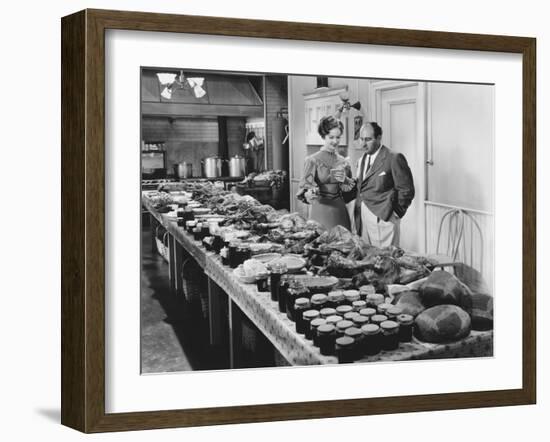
[318, 283]
[294, 263]
[267, 257]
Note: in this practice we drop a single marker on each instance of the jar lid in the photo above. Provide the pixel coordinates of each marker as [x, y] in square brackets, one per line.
[318, 298]
[344, 341]
[352, 332]
[366, 289]
[311, 314]
[383, 307]
[336, 295]
[389, 325]
[405, 319]
[317, 322]
[325, 329]
[351, 295]
[343, 309]
[370, 329]
[262, 275]
[301, 302]
[327, 311]
[334, 319]
[360, 320]
[350, 315]
[190, 223]
[368, 312]
[379, 318]
[375, 298]
[394, 310]
[359, 304]
[343, 324]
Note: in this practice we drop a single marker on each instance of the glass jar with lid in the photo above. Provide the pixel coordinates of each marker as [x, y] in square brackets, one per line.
[314, 324]
[357, 335]
[371, 339]
[343, 309]
[368, 312]
[358, 305]
[405, 327]
[350, 296]
[382, 308]
[326, 337]
[366, 290]
[327, 311]
[296, 289]
[300, 306]
[318, 301]
[344, 349]
[335, 298]
[349, 316]
[393, 312]
[262, 281]
[341, 327]
[309, 315]
[360, 320]
[334, 319]
[378, 319]
[390, 335]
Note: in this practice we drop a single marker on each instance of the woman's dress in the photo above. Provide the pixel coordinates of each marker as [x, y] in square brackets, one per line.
[329, 209]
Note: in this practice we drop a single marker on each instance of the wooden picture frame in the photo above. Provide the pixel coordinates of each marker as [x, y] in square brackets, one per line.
[83, 220]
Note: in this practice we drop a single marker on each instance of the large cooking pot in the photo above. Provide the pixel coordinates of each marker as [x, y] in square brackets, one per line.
[212, 167]
[237, 166]
[183, 170]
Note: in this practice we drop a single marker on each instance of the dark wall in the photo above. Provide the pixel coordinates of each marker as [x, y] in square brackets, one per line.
[192, 139]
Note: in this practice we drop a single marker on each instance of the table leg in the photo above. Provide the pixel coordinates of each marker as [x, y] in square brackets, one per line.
[235, 335]
[153, 237]
[179, 257]
[172, 262]
[215, 320]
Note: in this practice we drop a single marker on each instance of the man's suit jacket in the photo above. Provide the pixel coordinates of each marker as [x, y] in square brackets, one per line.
[388, 185]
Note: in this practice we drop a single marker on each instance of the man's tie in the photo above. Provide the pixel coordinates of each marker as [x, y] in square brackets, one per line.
[367, 168]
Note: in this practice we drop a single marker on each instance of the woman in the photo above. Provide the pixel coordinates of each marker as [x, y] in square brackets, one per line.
[326, 175]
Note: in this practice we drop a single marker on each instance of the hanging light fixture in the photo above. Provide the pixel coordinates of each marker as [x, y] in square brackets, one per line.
[171, 82]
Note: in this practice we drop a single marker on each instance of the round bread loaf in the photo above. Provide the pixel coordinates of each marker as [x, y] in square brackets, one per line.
[442, 323]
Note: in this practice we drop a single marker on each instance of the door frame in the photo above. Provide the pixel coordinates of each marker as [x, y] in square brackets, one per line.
[375, 113]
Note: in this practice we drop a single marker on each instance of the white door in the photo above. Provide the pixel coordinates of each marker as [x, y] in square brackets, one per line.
[399, 109]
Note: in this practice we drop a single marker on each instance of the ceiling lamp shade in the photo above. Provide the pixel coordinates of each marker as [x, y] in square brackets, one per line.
[171, 82]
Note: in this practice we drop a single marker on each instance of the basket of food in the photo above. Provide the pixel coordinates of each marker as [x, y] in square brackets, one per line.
[194, 284]
[161, 240]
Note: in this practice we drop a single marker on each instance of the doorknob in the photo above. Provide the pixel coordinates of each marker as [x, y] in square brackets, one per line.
[429, 162]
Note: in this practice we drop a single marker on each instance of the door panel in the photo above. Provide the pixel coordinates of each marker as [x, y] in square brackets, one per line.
[401, 120]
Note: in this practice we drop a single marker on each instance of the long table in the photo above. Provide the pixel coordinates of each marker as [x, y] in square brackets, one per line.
[275, 326]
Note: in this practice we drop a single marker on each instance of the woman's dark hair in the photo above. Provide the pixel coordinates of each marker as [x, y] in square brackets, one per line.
[327, 124]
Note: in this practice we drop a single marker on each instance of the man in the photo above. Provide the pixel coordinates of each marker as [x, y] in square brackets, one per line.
[385, 189]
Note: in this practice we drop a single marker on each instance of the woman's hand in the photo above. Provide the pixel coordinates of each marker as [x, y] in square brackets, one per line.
[311, 195]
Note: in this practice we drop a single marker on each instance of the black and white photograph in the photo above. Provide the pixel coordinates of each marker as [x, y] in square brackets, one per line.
[305, 220]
